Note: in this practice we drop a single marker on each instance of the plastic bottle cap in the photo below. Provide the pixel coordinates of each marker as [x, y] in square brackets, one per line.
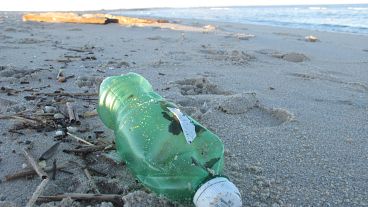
[217, 192]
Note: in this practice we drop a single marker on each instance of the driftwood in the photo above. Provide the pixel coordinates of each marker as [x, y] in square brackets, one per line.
[39, 190]
[80, 139]
[89, 176]
[116, 199]
[69, 107]
[66, 94]
[42, 174]
[107, 18]
[65, 17]
[31, 172]
[89, 149]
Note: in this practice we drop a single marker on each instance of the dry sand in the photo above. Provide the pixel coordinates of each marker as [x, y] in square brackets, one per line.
[292, 114]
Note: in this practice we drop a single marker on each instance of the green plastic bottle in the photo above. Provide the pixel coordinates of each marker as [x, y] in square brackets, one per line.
[169, 152]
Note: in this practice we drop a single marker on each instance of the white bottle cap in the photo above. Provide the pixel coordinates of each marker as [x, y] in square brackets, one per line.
[217, 192]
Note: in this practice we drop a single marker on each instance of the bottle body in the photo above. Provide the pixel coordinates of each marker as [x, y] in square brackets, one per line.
[150, 137]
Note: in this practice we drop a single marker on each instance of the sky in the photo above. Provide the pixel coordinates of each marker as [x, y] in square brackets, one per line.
[75, 5]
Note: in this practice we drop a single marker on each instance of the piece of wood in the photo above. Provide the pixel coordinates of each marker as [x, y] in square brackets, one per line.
[31, 172]
[80, 139]
[41, 173]
[28, 120]
[131, 20]
[64, 17]
[66, 94]
[54, 169]
[89, 176]
[76, 116]
[117, 199]
[86, 150]
[39, 190]
[69, 107]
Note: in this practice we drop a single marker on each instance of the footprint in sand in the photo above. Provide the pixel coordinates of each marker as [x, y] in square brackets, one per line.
[29, 41]
[290, 57]
[197, 86]
[247, 107]
[354, 86]
[89, 82]
[10, 73]
[7, 106]
[204, 100]
[234, 57]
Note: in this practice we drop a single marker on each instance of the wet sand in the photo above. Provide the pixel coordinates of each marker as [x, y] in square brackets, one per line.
[293, 114]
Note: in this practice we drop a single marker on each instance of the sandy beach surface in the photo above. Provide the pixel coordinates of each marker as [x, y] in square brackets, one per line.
[293, 114]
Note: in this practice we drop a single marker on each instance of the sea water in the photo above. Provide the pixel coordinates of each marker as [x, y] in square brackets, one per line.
[336, 18]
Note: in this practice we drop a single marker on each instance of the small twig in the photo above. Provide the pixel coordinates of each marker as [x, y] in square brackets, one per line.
[71, 114]
[65, 171]
[19, 118]
[54, 170]
[86, 150]
[80, 139]
[40, 188]
[35, 166]
[31, 172]
[67, 94]
[77, 121]
[94, 186]
[117, 199]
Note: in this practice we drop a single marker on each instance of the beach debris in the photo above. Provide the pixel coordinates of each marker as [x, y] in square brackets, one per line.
[54, 166]
[32, 172]
[79, 139]
[73, 116]
[50, 152]
[68, 17]
[65, 18]
[72, 129]
[50, 109]
[90, 149]
[59, 116]
[311, 38]
[59, 133]
[41, 173]
[88, 114]
[60, 77]
[8, 91]
[90, 179]
[114, 198]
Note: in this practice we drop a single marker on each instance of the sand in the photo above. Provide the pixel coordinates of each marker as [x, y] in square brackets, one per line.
[293, 114]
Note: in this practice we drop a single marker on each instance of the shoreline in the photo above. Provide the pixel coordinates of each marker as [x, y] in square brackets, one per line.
[291, 113]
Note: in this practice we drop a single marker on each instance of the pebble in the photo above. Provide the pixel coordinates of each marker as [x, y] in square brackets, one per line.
[50, 109]
[24, 165]
[59, 116]
[59, 133]
[72, 129]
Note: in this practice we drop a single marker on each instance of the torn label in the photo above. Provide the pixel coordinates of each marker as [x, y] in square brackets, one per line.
[186, 125]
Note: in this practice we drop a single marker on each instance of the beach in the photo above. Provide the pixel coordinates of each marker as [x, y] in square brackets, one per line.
[293, 114]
